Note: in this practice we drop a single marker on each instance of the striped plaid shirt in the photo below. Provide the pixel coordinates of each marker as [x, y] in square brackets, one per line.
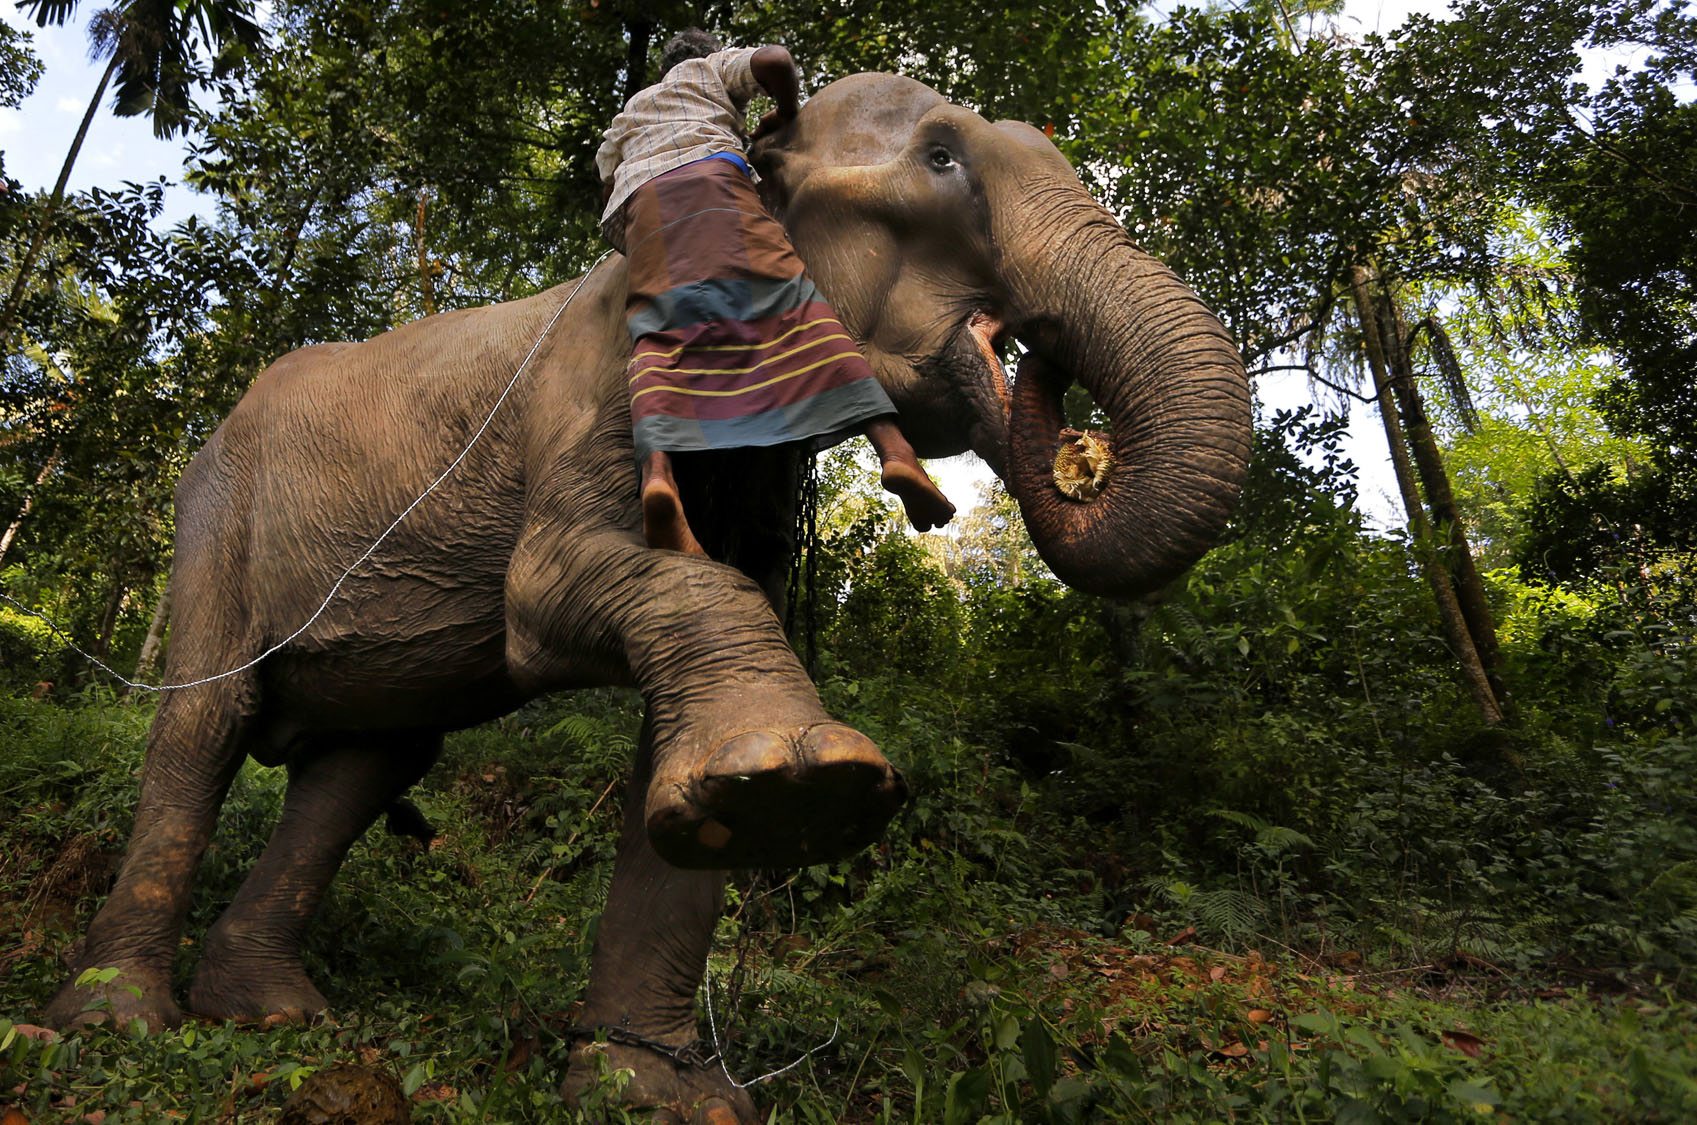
[698, 109]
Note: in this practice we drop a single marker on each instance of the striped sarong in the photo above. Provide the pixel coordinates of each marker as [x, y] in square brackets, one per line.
[733, 345]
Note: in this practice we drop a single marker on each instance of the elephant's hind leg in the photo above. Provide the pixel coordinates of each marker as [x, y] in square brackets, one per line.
[194, 750]
[250, 964]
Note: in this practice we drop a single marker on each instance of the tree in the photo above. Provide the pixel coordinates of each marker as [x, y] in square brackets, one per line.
[150, 48]
[20, 70]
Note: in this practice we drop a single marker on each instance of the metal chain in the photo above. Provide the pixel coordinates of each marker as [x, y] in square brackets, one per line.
[698, 1054]
[803, 583]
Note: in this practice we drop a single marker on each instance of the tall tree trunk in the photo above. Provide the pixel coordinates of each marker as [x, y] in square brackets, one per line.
[1419, 527]
[641, 30]
[28, 504]
[147, 664]
[109, 616]
[1440, 498]
[15, 299]
[426, 282]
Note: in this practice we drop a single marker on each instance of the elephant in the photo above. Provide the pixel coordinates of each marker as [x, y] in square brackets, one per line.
[939, 237]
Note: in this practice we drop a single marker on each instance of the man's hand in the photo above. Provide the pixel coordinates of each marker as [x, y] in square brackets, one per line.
[773, 122]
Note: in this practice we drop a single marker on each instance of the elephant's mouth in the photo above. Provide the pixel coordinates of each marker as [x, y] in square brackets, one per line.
[989, 335]
[1083, 459]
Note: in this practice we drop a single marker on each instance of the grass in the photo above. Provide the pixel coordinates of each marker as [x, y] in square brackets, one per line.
[965, 983]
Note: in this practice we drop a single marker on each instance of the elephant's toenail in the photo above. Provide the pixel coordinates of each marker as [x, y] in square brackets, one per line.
[751, 755]
[712, 834]
[716, 1112]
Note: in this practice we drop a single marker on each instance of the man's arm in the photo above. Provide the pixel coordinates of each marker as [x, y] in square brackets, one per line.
[775, 70]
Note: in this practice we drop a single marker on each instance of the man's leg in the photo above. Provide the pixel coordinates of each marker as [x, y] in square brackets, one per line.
[903, 475]
[664, 525]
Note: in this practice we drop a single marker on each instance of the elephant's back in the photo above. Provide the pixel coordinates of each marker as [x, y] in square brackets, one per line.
[333, 442]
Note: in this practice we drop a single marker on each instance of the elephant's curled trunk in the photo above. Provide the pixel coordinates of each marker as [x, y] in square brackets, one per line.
[1161, 367]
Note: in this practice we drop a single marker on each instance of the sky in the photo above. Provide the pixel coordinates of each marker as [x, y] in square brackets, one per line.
[35, 137]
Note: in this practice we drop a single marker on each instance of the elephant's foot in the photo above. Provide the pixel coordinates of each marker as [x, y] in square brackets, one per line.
[674, 1093]
[770, 799]
[136, 993]
[252, 989]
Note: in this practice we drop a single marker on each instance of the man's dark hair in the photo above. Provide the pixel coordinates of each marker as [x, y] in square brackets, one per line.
[690, 43]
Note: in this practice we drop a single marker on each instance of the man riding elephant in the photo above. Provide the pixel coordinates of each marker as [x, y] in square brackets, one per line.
[937, 236]
[733, 344]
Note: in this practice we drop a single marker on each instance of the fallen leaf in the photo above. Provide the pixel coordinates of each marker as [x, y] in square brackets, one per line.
[1186, 966]
[1465, 1042]
[1258, 1015]
[435, 1092]
[1059, 970]
[1183, 937]
[1218, 972]
[13, 1116]
[39, 1034]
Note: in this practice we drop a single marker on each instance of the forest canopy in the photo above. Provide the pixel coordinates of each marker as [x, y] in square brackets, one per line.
[1463, 745]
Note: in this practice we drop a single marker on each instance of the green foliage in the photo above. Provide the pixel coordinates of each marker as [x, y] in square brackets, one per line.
[27, 645]
[1273, 753]
[154, 46]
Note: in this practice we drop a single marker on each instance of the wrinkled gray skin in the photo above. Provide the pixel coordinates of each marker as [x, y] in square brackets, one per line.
[929, 228]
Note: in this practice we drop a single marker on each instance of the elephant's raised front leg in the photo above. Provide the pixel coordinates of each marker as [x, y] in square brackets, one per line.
[749, 770]
[650, 952]
[250, 965]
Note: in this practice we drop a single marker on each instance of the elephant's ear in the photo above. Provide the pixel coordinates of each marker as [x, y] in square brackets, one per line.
[856, 121]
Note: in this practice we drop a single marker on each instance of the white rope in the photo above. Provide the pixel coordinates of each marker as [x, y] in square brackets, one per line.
[351, 567]
[719, 1050]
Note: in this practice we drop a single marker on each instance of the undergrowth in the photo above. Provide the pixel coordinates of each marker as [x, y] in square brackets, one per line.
[1244, 853]
[970, 968]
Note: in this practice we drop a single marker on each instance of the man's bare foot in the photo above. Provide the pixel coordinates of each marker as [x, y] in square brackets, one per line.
[926, 505]
[664, 525]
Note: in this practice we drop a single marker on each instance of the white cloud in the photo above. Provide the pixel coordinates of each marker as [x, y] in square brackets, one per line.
[11, 123]
[69, 105]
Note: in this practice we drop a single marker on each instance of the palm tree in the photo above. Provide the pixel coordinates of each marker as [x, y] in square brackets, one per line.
[150, 47]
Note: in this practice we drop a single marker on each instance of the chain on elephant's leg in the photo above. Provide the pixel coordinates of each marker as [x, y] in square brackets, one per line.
[650, 954]
[194, 750]
[250, 966]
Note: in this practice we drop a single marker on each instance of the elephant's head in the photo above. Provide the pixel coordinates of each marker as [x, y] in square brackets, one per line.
[938, 235]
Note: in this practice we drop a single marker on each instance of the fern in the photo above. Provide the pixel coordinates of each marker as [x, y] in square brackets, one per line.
[1228, 911]
[587, 733]
[1271, 837]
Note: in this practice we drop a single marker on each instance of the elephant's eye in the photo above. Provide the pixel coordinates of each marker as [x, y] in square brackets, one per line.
[941, 158]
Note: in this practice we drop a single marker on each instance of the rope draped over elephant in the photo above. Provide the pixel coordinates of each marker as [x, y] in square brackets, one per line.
[938, 236]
